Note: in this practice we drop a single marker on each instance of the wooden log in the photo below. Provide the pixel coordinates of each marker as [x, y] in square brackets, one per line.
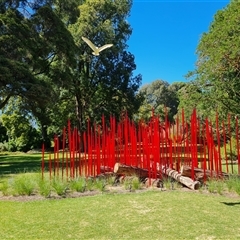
[186, 181]
[104, 169]
[121, 169]
[199, 173]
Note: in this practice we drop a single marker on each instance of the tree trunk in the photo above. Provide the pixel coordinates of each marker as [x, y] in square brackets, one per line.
[122, 169]
[106, 169]
[186, 181]
[199, 173]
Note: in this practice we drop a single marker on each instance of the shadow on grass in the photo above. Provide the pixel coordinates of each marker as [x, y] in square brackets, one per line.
[231, 203]
[11, 164]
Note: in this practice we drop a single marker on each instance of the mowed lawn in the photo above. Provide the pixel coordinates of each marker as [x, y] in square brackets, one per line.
[154, 214]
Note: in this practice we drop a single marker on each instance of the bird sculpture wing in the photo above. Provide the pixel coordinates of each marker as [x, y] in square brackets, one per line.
[90, 44]
[104, 47]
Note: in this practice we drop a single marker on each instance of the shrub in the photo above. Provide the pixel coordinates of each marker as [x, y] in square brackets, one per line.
[3, 146]
[136, 184]
[44, 187]
[90, 184]
[5, 187]
[78, 185]
[100, 184]
[24, 185]
[60, 186]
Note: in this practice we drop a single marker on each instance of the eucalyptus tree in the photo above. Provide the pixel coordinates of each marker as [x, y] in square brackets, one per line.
[218, 66]
[32, 38]
[159, 96]
[103, 84]
[45, 62]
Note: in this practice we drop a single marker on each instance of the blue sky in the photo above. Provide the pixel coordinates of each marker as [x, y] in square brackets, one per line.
[166, 34]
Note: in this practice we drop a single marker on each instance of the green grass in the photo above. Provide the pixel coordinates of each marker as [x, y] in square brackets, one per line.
[146, 215]
[19, 162]
[152, 214]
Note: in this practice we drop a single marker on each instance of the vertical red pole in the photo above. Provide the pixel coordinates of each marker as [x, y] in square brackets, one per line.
[70, 148]
[94, 148]
[139, 142]
[76, 159]
[125, 141]
[57, 142]
[103, 141]
[208, 145]
[187, 145]
[218, 163]
[183, 144]
[199, 143]
[237, 139]
[178, 145]
[204, 154]
[98, 146]
[165, 145]
[79, 158]
[224, 145]
[211, 148]
[50, 167]
[194, 141]
[54, 160]
[73, 154]
[89, 149]
[42, 160]
[230, 140]
[63, 149]
[67, 165]
[114, 142]
[85, 154]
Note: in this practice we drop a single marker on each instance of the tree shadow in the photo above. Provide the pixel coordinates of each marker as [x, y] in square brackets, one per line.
[10, 164]
[231, 203]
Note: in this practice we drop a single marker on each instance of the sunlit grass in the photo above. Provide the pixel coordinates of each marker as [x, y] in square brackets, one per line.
[146, 215]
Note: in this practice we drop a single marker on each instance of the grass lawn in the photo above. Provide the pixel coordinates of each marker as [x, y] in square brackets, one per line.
[19, 162]
[151, 214]
[147, 215]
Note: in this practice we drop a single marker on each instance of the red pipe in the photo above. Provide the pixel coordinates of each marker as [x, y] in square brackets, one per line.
[42, 161]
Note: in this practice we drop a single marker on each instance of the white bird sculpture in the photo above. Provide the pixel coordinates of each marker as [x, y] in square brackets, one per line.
[95, 49]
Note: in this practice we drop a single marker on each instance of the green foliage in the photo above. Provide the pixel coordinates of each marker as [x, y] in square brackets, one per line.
[22, 136]
[78, 185]
[90, 184]
[4, 146]
[167, 183]
[132, 183]
[100, 184]
[136, 183]
[216, 77]
[47, 65]
[24, 184]
[60, 186]
[233, 184]
[5, 187]
[231, 150]
[44, 186]
[159, 96]
[103, 84]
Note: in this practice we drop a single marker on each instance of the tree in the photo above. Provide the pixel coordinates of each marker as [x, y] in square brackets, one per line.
[19, 125]
[218, 67]
[103, 84]
[159, 96]
[45, 63]
[30, 42]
